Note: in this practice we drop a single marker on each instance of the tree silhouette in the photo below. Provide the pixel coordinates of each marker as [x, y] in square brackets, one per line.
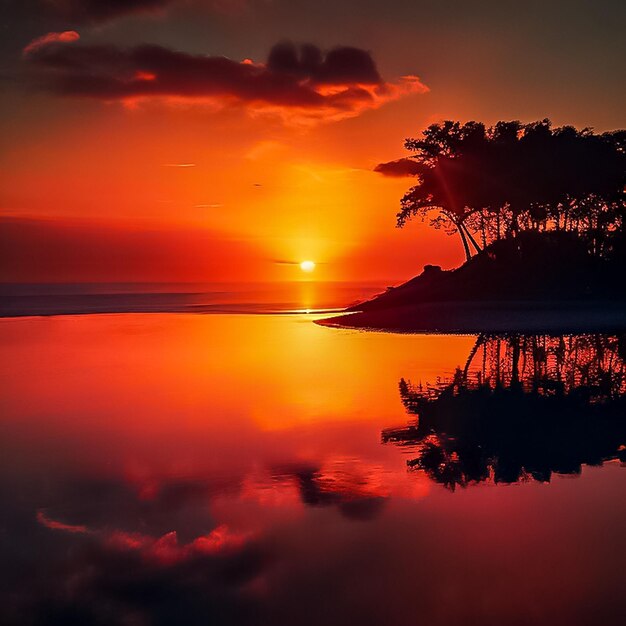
[487, 184]
[522, 407]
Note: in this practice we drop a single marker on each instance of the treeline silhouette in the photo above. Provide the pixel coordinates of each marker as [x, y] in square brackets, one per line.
[521, 408]
[489, 184]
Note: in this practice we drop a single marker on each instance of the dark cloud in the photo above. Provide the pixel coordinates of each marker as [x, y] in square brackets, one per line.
[101, 581]
[341, 65]
[318, 489]
[341, 83]
[102, 552]
[85, 11]
[153, 508]
[398, 168]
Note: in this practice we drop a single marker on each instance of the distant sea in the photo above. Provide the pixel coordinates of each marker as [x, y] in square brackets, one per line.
[26, 299]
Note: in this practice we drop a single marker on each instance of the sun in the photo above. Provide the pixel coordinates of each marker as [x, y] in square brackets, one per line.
[307, 266]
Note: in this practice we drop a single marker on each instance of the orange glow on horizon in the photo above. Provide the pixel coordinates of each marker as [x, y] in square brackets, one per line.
[263, 189]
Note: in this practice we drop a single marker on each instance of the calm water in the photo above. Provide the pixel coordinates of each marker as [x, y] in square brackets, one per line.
[260, 469]
[25, 299]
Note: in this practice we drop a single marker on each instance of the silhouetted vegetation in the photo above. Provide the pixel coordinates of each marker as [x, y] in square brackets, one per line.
[522, 407]
[552, 266]
[541, 215]
[489, 184]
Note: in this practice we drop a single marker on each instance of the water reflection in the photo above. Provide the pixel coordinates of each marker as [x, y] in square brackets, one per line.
[521, 408]
[158, 470]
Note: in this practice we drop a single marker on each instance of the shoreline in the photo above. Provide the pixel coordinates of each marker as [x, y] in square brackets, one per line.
[488, 317]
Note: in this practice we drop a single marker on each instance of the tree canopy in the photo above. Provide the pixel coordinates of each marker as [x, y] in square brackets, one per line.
[491, 183]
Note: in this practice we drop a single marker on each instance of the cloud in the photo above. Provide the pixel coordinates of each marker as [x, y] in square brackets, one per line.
[317, 490]
[137, 577]
[263, 149]
[99, 11]
[44, 520]
[86, 11]
[297, 83]
[67, 36]
[165, 549]
[398, 168]
[341, 65]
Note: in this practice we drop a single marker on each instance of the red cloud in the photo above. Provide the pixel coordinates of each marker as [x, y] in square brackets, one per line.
[44, 520]
[301, 83]
[67, 36]
[165, 550]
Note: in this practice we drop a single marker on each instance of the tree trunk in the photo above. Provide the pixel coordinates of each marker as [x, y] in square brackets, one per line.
[471, 238]
[459, 227]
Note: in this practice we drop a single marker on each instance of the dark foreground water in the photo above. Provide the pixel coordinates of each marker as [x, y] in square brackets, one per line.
[247, 469]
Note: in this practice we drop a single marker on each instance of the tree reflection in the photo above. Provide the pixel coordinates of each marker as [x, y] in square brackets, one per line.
[521, 408]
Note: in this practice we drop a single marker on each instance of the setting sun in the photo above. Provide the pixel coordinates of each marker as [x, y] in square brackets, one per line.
[307, 266]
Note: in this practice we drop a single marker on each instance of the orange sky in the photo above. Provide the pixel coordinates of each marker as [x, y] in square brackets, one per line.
[222, 187]
[200, 179]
